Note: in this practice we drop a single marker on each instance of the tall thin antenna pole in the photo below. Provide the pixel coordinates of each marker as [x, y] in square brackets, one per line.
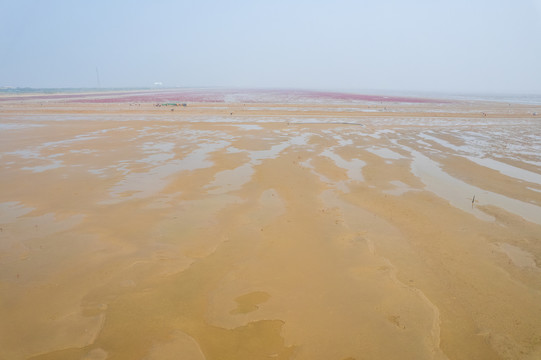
[98, 77]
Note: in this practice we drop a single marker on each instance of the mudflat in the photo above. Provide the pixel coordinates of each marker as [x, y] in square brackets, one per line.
[268, 225]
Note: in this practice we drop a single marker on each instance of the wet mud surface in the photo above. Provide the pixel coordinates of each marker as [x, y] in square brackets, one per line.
[134, 232]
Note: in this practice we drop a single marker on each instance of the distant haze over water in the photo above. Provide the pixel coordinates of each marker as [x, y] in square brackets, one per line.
[461, 46]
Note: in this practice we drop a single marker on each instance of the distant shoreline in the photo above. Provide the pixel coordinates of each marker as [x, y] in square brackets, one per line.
[217, 94]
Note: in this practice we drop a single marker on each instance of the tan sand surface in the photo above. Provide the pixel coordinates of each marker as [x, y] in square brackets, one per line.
[270, 231]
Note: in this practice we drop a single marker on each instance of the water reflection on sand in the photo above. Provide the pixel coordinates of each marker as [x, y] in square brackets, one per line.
[211, 236]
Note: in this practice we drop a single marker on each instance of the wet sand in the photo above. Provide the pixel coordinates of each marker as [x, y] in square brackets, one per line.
[272, 229]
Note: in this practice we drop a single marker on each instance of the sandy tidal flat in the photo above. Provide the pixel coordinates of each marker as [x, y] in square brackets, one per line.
[351, 230]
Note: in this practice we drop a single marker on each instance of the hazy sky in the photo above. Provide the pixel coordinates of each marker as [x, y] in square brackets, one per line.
[433, 45]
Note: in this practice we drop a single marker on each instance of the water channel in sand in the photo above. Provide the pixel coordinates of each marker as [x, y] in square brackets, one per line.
[284, 231]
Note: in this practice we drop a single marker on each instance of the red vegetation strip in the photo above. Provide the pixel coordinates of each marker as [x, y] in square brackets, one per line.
[167, 97]
[360, 97]
[219, 96]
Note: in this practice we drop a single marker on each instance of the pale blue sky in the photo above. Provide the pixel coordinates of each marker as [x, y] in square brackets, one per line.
[428, 45]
